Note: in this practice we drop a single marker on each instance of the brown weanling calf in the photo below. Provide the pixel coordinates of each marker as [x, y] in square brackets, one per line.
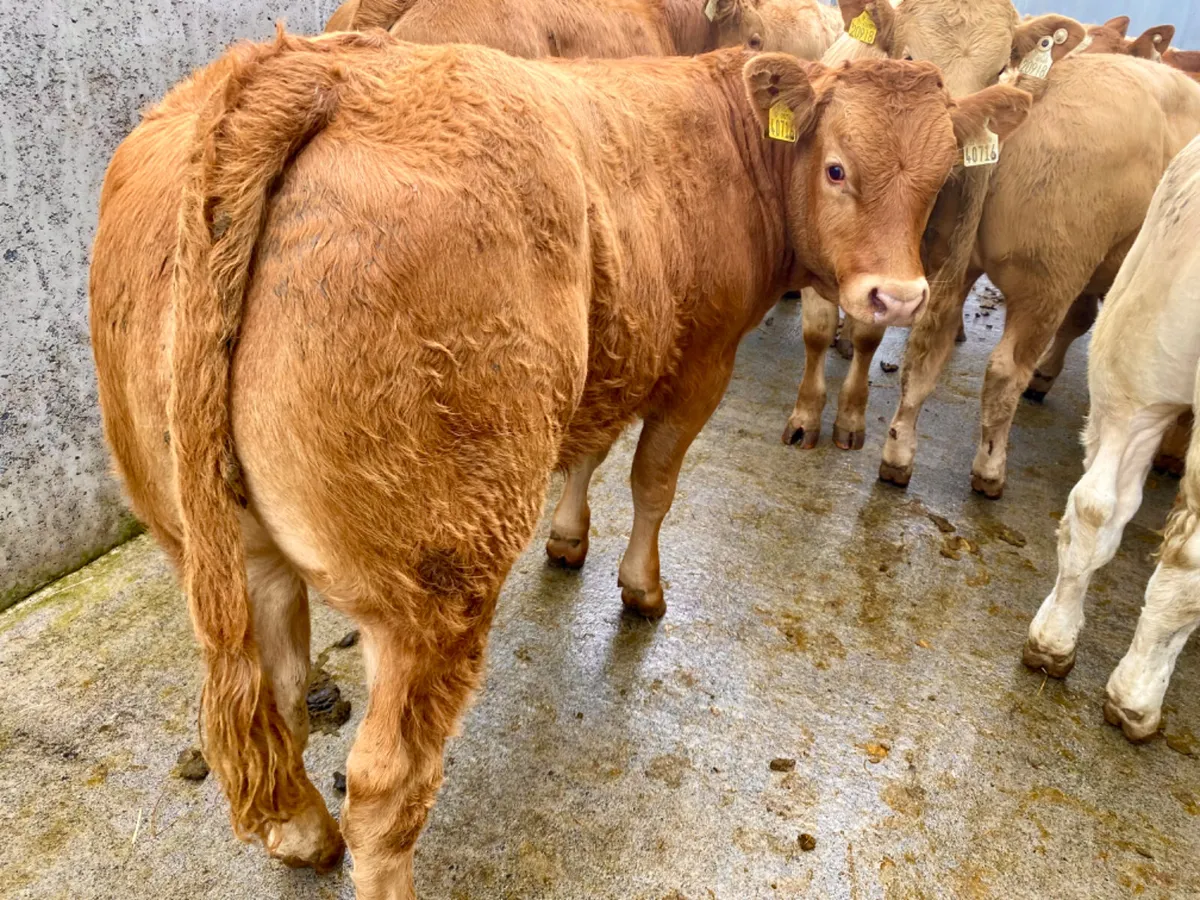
[407, 283]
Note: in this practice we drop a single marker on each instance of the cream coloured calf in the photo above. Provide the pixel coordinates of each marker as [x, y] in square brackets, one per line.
[1144, 369]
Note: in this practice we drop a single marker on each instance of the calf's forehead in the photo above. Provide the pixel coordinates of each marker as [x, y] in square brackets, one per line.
[889, 131]
[949, 32]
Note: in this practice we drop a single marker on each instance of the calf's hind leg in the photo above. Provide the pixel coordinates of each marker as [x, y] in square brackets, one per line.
[1079, 319]
[1174, 445]
[1036, 306]
[1170, 614]
[667, 432]
[1119, 450]
[279, 603]
[420, 684]
[568, 543]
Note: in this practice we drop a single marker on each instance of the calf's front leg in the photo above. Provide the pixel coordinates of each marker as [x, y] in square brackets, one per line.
[820, 321]
[850, 427]
[667, 432]
[929, 347]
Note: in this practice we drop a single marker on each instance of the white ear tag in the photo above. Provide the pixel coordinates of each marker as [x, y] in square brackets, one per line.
[983, 152]
[1037, 62]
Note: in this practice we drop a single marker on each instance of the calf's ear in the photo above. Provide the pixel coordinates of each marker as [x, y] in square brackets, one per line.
[722, 11]
[773, 78]
[1000, 108]
[1065, 32]
[1119, 24]
[881, 13]
[1151, 43]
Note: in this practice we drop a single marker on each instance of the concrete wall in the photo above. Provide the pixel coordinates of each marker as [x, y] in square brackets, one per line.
[73, 76]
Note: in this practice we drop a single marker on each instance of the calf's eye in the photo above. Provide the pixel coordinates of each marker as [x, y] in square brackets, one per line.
[755, 42]
[835, 173]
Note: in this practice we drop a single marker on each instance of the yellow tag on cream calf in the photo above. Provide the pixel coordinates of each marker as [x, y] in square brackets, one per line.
[985, 152]
[862, 28]
[781, 123]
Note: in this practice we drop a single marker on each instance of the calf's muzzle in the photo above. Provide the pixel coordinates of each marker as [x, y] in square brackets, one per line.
[884, 301]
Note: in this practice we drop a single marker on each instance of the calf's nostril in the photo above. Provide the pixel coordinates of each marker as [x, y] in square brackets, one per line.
[877, 304]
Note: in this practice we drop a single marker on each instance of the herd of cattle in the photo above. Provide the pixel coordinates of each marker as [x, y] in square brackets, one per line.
[355, 297]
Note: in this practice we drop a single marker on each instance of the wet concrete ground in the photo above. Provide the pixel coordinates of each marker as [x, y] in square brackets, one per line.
[813, 618]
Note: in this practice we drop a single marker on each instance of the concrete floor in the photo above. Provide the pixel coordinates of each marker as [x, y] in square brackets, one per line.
[812, 618]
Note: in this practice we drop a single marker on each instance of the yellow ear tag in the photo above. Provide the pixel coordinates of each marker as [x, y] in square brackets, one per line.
[710, 10]
[984, 152]
[862, 28]
[781, 123]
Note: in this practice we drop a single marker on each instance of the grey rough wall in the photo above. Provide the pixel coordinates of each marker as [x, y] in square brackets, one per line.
[74, 75]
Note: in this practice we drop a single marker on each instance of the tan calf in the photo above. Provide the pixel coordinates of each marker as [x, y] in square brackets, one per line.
[408, 283]
[803, 28]
[971, 42]
[1111, 38]
[1184, 60]
[602, 28]
[1055, 227]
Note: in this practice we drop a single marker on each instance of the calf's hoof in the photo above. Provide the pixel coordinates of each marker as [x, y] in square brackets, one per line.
[961, 337]
[897, 475]
[1136, 726]
[308, 840]
[1039, 387]
[798, 434]
[1056, 665]
[847, 439]
[992, 488]
[650, 604]
[1166, 464]
[569, 553]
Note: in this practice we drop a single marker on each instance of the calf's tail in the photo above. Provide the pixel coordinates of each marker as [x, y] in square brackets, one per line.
[276, 99]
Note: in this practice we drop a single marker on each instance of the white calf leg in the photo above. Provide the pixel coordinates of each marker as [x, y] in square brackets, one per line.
[1100, 506]
[1169, 616]
[1172, 611]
